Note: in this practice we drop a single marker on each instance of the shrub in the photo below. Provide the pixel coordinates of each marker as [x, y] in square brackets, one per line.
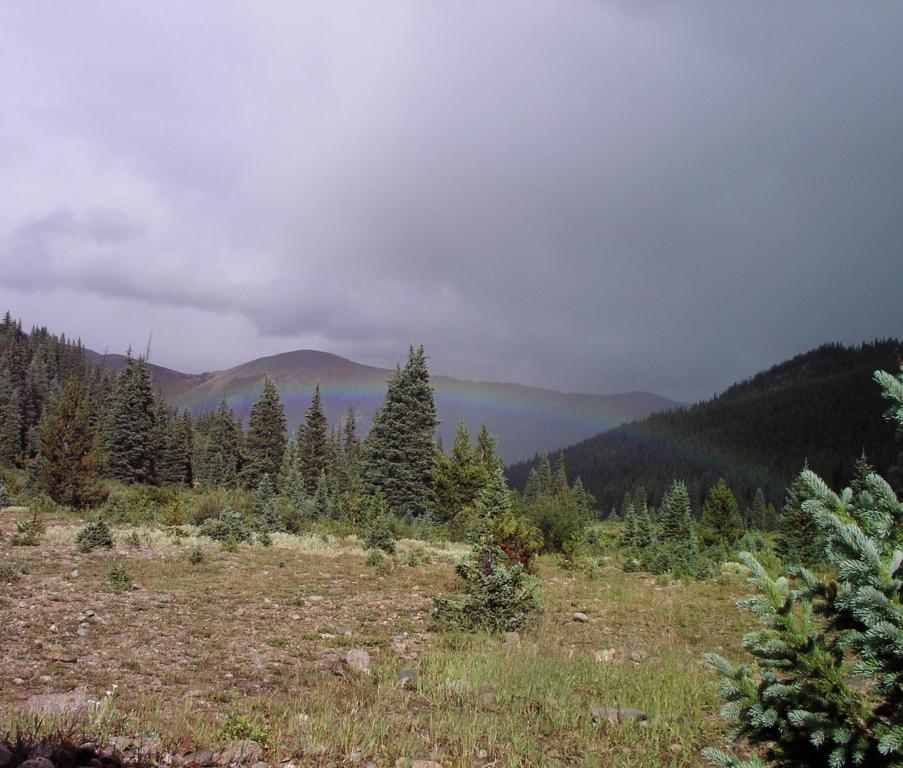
[238, 725]
[95, 534]
[828, 692]
[380, 534]
[517, 537]
[196, 556]
[499, 596]
[29, 531]
[264, 539]
[8, 572]
[230, 545]
[376, 560]
[5, 499]
[228, 525]
[133, 540]
[120, 577]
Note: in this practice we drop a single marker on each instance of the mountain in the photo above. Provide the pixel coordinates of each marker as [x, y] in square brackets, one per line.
[822, 406]
[524, 419]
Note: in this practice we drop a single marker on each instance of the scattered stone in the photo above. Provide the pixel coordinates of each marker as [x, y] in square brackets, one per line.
[407, 678]
[149, 746]
[203, 757]
[239, 752]
[638, 657]
[676, 749]
[358, 660]
[57, 703]
[606, 656]
[18, 681]
[37, 762]
[617, 715]
[356, 758]
[580, 617]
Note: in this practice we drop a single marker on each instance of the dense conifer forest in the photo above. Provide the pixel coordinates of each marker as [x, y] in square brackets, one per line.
[756, 434]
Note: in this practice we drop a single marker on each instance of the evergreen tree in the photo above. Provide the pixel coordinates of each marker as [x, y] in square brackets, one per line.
[545, 475]
[184, 434]
[68, 462]
[11, 444]
[486, 448]
[5, 499]
[313, 448]
[458, 479]
[720, 518]
[265, 441]
[398, 453]
[798, 541]
[827, 689]
[421, 423]
[560, 486]
[532, 489]
[168, 467]
[677, 521]
[132, 424]
[322, 506]
[757, 516]
[218, 447]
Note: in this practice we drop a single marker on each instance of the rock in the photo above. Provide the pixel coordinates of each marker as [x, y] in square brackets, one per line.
[425, 764]
[18, 681]
[676, 749]
[617, 715]
[6, 757]
[580, 617]
[203, 757]
[121, 743]
[57, 703]
[606, 656]
[37, 762]
[358, 660]
[639, 657]
[407, 678]
[150, 746]
[239, 752]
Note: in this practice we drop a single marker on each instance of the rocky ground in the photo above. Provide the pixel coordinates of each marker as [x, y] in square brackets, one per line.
[301, 656]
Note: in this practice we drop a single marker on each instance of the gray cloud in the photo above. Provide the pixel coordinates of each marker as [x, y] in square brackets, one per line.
[593, 196]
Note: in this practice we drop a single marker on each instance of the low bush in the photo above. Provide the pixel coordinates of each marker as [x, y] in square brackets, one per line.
[119, 577]
[94, 535]
[380, 534]
[227, 525]
[196, 556]
[8, 572]
[499, 596]
[29, 531]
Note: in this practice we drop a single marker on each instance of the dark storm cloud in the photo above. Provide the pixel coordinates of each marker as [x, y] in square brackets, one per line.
[593, 196]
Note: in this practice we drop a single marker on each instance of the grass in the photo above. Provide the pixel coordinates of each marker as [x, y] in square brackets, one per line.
[251, 642]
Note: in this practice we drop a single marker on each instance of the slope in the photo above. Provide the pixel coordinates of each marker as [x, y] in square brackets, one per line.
[757, 433]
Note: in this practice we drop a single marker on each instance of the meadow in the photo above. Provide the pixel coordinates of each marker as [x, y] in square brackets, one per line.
[174, 645]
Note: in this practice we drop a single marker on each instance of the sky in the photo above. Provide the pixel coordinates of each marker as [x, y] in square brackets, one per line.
[588, 196]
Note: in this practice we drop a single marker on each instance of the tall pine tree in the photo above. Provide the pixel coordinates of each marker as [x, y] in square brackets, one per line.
[265, 441]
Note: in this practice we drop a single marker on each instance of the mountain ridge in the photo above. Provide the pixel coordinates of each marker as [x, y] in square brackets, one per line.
[758, 432]
[525, 419]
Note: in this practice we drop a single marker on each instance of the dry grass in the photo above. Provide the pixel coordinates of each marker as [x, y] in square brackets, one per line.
[251, 642]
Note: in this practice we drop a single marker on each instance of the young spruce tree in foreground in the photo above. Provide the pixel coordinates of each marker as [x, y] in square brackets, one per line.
[827, 689]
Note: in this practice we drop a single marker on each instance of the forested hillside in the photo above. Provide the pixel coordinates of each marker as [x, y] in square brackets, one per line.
[757, 433]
